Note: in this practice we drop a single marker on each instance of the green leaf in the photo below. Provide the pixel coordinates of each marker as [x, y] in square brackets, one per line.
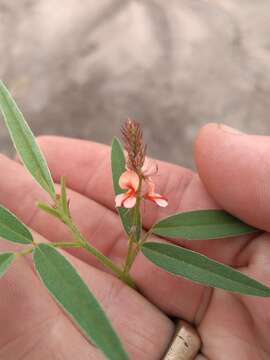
[202, 225]
[201, 269]
[6, 260]
[118, 163]
[24, 141]
[12, 229]
[118, 167]
[49, 210]
[63, 198]
[70, 291]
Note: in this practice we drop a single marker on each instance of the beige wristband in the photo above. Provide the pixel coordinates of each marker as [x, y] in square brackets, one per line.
[186, 343]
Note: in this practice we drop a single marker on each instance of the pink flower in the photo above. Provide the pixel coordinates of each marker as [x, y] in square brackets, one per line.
[149, 168]
[151, 195]
[139, 168]
[129, 180]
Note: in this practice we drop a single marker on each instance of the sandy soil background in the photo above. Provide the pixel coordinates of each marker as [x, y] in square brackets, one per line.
[81, 68]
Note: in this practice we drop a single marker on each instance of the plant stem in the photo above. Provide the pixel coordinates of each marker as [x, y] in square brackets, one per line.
[137, 250]
[61, 211]
[129, 254]
[110, 265]
[132, 252]
[82, 242]
[26, 251]
[146, 236]
[63, 244]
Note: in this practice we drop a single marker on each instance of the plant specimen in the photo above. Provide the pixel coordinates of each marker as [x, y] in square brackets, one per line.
[133, 179]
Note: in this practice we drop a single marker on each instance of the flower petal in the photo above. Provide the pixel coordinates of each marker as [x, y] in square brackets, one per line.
[162, 202]
[149, 168]
[130, 202]
[119, 199]
[129, 180]
[157, 198]
[127, 199]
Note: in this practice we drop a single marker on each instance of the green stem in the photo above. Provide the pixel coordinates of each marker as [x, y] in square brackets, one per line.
[110, 265]
[137, 250]
[129, 254]
[132, 252]
[61, 211]
[26, 251]
[63, 244]
[145, 238]
[97, 254]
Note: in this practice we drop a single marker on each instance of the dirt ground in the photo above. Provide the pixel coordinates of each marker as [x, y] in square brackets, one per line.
[82, 69]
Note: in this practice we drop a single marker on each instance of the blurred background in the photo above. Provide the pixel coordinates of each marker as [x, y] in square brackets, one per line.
[80, 68]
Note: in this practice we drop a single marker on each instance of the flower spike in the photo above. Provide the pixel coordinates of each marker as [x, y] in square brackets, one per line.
[134, 146]
[139, 169]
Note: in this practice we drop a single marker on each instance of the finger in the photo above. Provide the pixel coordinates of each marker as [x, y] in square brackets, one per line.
[22, 194]
[103, 229]
[144, 330]
[235, 169]
[237, 320]
[257, 256]
[87, 168]
[33, 327]
[200, 357]
[186, 298]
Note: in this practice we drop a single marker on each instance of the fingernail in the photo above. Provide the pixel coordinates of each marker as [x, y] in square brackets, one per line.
[230, 129]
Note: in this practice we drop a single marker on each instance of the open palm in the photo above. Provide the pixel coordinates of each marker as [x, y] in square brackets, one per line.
[234, 169]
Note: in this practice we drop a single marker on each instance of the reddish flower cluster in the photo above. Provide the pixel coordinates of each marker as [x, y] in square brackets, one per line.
[137, 167]
[133, 143]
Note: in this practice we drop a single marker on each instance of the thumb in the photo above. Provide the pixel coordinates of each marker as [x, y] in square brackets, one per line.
[235, 169]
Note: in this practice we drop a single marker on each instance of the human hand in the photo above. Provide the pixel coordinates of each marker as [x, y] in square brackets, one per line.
[38, 329]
